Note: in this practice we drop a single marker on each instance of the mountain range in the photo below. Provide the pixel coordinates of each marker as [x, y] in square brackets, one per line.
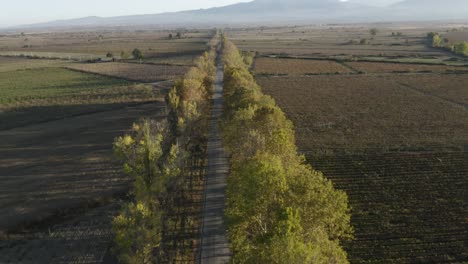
[283, 12]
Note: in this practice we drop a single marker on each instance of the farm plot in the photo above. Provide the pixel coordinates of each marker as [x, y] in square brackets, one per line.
[87, 45]
[377, 67]
[406, 207]
[401, 156]
[38, 95]
[16, 63]
[54, 169]
[297, 67]
[366, 112]
[133, 71]
[453, 88]
[324, 41]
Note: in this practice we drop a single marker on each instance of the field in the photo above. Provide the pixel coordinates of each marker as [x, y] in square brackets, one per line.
[376, 67]
[60, 185]
[96, 44]
[38, 95]
[366, 112]
[133, 71]
[294, 67]
[392, 132]
[16, 63]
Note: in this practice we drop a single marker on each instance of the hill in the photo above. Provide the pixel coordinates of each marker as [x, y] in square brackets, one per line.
[280, 12]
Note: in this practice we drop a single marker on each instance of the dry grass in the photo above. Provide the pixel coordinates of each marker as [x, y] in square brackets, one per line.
[133, 71]
[297, 67]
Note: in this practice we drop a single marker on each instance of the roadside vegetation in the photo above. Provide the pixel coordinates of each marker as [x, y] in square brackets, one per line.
[279, 209]
[166, 160]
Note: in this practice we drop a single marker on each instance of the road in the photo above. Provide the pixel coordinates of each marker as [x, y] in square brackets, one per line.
[214, 245]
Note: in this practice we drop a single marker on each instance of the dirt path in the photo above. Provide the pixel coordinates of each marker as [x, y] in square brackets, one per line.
[214, 247]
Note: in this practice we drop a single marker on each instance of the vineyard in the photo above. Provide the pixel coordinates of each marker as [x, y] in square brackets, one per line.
[376, 67]
[398, 152]
[297, 67]
[133, 72]
[391, 132]
[367, 112]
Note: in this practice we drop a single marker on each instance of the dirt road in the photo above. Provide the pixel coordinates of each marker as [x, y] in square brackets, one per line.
[214, 247]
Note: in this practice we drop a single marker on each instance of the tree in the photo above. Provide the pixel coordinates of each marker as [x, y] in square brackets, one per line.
[137, 54]
[373, 32]
[171, 36]
[461, 48]
[179, 35]
[364, 41]
[109, 55]
[436, 41]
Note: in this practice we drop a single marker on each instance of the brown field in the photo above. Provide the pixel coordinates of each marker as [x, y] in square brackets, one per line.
[133, 71]
[366, 112]
[88, 45]
[376, 67]
[335, 40]
[451, 88]
[295, 67]
[399, 153]
[457, 36]
[394, 137]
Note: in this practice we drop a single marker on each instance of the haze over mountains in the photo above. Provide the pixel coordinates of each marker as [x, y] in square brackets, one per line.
[285, 11]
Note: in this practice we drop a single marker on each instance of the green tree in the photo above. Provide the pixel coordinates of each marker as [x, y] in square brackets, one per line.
[137, 54]
[436, 41]
[109, 55]
[373, 31]
[461, 48]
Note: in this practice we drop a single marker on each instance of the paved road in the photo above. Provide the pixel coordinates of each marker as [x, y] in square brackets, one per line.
[214, 248]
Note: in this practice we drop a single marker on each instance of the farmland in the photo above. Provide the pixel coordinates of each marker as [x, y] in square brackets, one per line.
[391, 131]
[132, 71]
[96, 44]
[297, 67]
[52, 117]
[39, 95]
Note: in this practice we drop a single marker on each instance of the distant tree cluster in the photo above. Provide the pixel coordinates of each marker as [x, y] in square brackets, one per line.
[279, 210]
[437, 41]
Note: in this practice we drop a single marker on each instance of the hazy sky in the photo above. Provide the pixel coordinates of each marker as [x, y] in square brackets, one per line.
[31, 11]
[17, 12]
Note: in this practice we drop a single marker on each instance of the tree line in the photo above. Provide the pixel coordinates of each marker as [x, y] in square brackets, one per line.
[437, 41]
[157, 155]
[279, 209]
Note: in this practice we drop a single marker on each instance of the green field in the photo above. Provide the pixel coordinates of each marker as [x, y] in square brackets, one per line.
[44, 94]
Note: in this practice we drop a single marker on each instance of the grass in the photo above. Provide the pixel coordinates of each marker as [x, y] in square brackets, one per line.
[31, 96]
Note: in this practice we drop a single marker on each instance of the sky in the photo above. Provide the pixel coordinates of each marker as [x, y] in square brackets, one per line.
[20, 12]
